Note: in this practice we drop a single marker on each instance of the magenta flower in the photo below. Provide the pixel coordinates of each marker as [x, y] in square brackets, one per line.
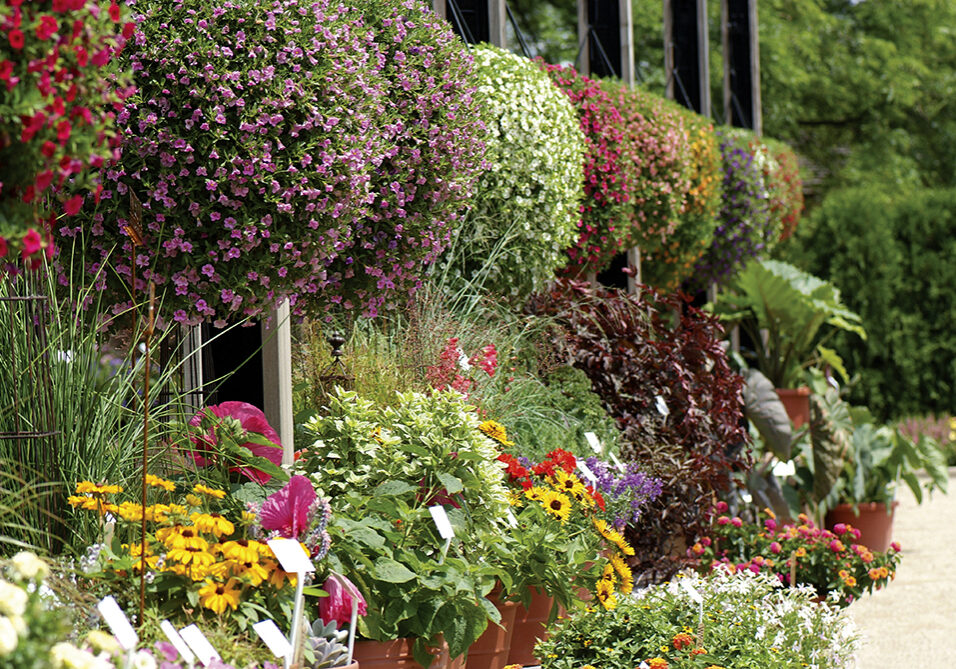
[839, 528]
[837, 546]
[736, 522]
[287, 511]
[252, 420]
[338, 605]
[775, 547]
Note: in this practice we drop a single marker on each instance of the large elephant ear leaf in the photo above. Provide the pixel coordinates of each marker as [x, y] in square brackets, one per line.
[830, 435]
[763, 408]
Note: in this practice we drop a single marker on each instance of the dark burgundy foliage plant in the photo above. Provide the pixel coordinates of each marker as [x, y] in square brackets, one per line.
[658, 365]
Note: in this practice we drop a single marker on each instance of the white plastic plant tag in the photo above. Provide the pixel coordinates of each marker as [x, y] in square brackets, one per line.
[441, 521]
[643, 665]
[512, 521]
[290, 555]
[199, 644]
[118, 622]
[463, 362]
[272, 636]
[784, 469]
[617, 463]
[692, 591]
[661, 405]
[177, 642]
[588, 474]
[594, 442]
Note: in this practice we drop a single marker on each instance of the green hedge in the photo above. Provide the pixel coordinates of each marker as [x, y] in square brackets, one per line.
[892, 257]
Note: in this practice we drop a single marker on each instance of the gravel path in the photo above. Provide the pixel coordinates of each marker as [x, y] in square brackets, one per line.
[912, 622]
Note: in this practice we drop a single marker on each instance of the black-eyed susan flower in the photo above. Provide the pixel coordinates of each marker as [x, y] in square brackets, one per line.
[212, 523]
[179, 536]
[242, 550]
[217, 596]
[613, 536]
[90, 488]
[157, 482]
[190, 556]
[556, 504]
[569, 484]
[605, 594]
[496, 431]
[201, 489]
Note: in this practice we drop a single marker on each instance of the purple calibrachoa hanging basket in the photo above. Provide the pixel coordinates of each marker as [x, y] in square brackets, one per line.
[315, 151]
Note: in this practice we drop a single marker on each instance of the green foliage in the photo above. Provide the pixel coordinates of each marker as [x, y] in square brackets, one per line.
[526, 210]
[383, 467]
[791, 306]
[749, 621]
[555, 413]
[890, 253]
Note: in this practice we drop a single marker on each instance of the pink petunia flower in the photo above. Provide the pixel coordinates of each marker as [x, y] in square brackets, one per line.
[252, 420]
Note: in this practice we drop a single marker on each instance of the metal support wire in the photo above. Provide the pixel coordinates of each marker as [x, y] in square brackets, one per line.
[592, 35]
[514, 24]
[680, 84]
[735, 101]
[459, 20]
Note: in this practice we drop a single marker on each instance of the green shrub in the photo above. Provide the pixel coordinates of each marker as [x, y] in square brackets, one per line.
[890, 254]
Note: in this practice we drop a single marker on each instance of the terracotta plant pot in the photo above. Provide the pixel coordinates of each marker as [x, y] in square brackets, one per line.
[529, 627]
[797, 403]
[874, 523]
[353, 665]
[492, 648]
[397, 654]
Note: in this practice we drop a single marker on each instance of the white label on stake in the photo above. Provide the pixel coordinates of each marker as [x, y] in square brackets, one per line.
[661, 405]
[511, 519]
[594, 442]
[291, 556]
[118, 622]
[441, 521]
[463, 361]
[784, 469]
[643, 665]
[269, 632]
[617, 463]
[587, 471]
[177, 642]
[692, 591]
[199, 644]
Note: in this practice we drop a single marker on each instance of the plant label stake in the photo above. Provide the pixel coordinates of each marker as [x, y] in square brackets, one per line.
[617, 463]
[661, 405]
[178, 643]
[199, 644]
[269, 632]
[445, 529]
[694, 595]
[587, 471]
[119, 625]
[512, 521]
[295, 561]
[353, 621]
[643, 665]
[594, 442]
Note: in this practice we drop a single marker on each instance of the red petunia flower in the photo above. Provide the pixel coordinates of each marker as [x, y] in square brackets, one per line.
[16, 38]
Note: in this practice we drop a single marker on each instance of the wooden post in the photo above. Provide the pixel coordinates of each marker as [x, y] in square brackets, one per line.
[277, 377]
[742, 104]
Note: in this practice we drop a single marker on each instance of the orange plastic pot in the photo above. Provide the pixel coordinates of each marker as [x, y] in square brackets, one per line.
[530, 625]
[797, 403]
[492, 648]
[874, 522]
[397, 654]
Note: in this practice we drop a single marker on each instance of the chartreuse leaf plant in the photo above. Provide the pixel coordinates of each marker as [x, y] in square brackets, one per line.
[383, 467]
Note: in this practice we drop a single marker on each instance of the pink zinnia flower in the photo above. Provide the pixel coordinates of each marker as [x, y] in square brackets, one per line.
[837, 546]
[736, 522]
[896, 547]
[252, 420]
[723, 520]
[775, 547]
[839, 528]
[721, 506]
[287, 511]
[770, 524]
[338, 605]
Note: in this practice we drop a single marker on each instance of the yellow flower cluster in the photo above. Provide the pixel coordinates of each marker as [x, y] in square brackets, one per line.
[198, 545]
[617, 567]
[496, 431]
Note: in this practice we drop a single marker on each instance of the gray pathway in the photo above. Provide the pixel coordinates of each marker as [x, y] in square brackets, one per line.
[912, 622]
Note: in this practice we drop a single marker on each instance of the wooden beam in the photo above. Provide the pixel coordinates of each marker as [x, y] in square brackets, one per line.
[277, 377]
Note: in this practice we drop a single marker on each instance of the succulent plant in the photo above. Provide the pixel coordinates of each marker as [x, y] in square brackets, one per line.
[329, 646]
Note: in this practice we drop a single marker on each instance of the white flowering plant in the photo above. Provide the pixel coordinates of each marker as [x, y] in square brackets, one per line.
[526, 210]
[746, 620]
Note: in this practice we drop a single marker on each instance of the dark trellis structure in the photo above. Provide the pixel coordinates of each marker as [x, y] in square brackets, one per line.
[742, 107]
